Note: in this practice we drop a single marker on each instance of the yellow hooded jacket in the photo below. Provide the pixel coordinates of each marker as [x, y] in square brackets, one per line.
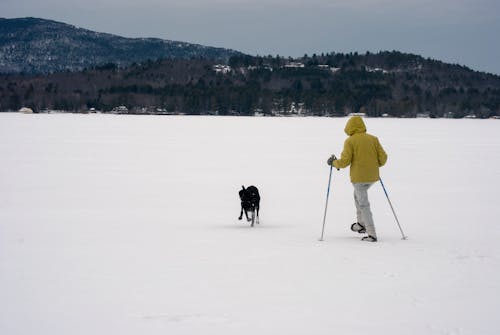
[362, 151]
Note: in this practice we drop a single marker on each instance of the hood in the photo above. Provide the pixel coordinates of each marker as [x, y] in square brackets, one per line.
[355, 125]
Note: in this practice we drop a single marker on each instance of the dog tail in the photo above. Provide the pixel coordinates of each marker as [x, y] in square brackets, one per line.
[242, 187]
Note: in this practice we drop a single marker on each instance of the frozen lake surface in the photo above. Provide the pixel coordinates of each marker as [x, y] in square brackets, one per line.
[128, 225]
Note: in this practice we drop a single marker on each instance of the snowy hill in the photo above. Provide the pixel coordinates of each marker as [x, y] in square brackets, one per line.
[128, 225]
[34, 45]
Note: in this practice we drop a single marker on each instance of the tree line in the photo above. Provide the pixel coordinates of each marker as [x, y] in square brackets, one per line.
[386, 83]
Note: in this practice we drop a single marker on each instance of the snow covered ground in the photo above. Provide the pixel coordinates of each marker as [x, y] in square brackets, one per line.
[128, 225]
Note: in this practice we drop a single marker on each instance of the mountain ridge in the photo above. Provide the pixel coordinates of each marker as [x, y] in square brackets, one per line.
[35, 45]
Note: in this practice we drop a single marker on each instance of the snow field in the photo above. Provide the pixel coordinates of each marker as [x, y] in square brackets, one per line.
[128, 225]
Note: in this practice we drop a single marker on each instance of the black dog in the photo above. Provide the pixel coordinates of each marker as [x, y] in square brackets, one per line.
[250, 202]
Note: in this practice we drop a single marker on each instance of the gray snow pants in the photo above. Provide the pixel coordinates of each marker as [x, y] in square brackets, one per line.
[363, 211]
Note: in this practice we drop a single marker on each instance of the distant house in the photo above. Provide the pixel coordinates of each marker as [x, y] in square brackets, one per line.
[120, 110]
[357, 114]
[222, 69]
[449, 115]
[294, 65]
[328, 67]
[26, 110]
[377, 69]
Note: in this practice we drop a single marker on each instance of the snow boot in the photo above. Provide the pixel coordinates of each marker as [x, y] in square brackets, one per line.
[358, 228]
[369, 238]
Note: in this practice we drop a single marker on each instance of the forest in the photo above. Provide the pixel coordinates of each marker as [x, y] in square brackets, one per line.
[334, 84]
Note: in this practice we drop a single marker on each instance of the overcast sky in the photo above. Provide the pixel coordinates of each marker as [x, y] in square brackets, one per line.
[455, 31]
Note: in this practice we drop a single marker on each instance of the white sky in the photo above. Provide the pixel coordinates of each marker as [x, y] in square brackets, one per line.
[455, 31]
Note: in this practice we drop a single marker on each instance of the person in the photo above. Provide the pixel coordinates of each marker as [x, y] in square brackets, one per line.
[364, 153]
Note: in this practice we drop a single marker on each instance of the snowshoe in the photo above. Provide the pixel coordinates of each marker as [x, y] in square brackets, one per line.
[358, 228]
[369, 238]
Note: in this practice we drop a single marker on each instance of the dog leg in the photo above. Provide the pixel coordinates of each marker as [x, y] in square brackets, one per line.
[241, 214]
[246, 214]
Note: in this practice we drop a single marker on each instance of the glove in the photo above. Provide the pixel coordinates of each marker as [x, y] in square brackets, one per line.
[331, 159]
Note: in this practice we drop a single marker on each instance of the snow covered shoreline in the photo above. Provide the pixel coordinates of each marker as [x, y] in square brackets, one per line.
[128, 224]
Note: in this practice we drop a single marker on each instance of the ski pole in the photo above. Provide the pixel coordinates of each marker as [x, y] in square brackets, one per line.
[392, 208]
[326, 205]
